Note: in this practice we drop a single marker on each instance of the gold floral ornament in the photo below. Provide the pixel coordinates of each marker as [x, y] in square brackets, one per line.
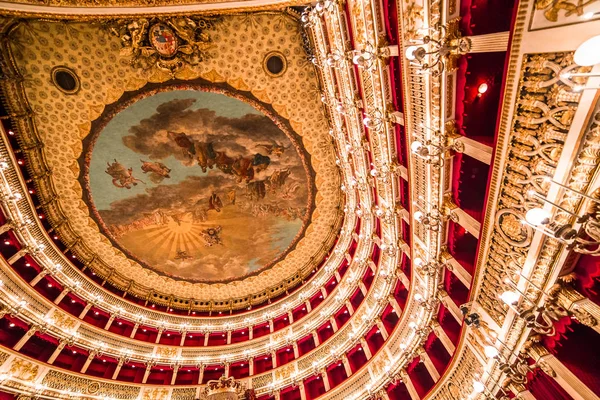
[168, 44]
[554, 7]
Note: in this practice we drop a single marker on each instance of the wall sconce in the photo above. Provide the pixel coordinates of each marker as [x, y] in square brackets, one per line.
[336, 59]
[431, 54]
[368, 56]
[587, 53]
[377, 119]
[584, 240]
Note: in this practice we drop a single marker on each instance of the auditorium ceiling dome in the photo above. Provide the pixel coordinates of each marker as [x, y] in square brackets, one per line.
[293, 200]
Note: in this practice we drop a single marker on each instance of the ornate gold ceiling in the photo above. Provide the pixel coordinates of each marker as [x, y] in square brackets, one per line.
[231, 62]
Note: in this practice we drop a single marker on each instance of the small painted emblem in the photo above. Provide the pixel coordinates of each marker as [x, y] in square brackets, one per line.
[163, 40]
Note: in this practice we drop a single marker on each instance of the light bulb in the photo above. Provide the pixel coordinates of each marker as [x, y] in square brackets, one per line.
[418, 297]
[478, 387]
[482, 88]
[418, 216]
[410, 53]
[416, 146]
[537, 216]
[509, 297]
[358, 59]
[418, 261]
[587, 53]
[588, 15]
[490, 351]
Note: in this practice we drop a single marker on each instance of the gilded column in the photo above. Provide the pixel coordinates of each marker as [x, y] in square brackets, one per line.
[118, 369]
[39, 277]
[349, 307]
[586, 311]
[456, 268]
[87, 308]
[302, 391]
[443, 336]
[25, 338]
[333, 323]
[160, 332]
[410, 387]
[450, 305]
[520, 391]
[110, 321]
[59, 348]
[395, 305]
[470, 224]
[147, 373]
[346, 363]
[433, 372]
[325, 380]
[89, 360]
[61, 295]
[561, 374]
[316, 338]
[381, 327]
[296, 351]
[489, 43]
[365, 347]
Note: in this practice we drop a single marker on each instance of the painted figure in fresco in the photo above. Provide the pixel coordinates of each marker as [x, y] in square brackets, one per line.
[182, 255]
[202, 152]
[287, 191]
[256, 190]
[122, 176]
[211, 236]
[273, 149]
[278, 178]
[158, 171]
[214, 202]
[244, 168]
[231, 195]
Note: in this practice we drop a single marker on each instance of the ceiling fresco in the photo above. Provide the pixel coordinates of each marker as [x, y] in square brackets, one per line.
[229, 100]
[196, 184]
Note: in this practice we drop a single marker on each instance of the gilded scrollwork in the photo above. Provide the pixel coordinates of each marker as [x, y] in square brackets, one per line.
[541, 122]
[168, 44]
[554, 8]
[63, 381]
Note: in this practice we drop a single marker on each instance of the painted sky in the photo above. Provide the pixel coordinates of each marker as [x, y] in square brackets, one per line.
[110, 142]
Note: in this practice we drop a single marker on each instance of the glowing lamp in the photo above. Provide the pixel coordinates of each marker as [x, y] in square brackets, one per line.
[587, 53]
[418, 216]
[482, 88]
[416, 146]
[490, 351]
[509, 298]
[410, 53]
[537, 216]
[478, 387]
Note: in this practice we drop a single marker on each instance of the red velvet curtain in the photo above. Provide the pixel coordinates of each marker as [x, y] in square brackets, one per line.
[544, 387]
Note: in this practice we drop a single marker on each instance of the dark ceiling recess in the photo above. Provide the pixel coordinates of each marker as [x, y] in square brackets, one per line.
[65, 79]
[275, 64]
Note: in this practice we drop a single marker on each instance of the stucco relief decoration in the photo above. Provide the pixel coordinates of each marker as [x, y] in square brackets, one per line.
[226, 389]
[155, 394]
[545, 110]
[23, 369]
[553, 8]
[108, 80]
[552, 13]
[168, 44]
